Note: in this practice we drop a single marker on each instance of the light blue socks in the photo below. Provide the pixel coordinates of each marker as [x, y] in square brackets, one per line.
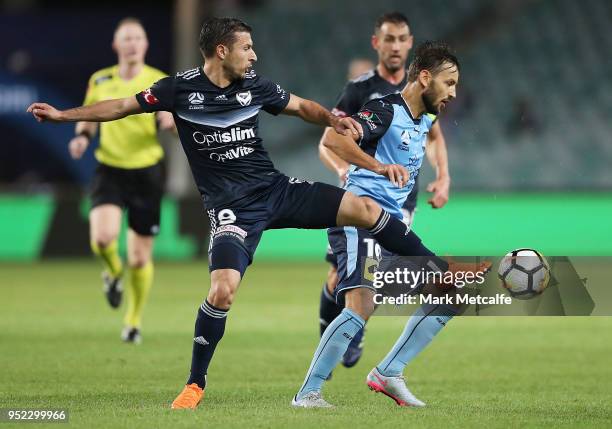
[333, 345]
[420, 329]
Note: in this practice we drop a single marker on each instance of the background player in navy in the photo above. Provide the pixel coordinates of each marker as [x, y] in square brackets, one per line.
[216, 109]
[395, 130]
[392, 41]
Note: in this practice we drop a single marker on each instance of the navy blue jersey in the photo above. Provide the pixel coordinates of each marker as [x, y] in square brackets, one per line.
[362, 89]
[218, 128]
[392, 136]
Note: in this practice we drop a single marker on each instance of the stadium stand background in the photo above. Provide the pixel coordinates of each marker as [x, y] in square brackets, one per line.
[551, 54]
[533, 112]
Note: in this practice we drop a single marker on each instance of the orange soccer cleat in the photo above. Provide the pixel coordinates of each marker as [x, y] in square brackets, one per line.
[189, 398]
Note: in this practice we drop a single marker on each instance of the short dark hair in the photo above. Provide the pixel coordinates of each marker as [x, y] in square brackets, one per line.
[393, 17]
[431, 56]
[220, 31]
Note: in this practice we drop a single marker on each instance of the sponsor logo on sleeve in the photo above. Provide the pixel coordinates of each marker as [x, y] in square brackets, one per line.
[149, 98]
[370, 118]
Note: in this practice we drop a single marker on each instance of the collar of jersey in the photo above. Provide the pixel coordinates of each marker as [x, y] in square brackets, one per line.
[402, 83]
[407, 109]
[115, 72]
[218, 88]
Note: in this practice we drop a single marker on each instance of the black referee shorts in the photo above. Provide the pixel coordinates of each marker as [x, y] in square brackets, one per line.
[138, 190]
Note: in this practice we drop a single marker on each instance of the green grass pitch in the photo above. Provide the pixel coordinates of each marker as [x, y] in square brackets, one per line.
[60, 348]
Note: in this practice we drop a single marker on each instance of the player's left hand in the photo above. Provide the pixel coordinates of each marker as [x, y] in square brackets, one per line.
[44, 112]
[440, 188]
[348, 127]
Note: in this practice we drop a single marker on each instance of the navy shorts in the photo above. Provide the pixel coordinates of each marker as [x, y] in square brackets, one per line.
[408, 217]
[330, 257]
[235, 229]
[358, 254]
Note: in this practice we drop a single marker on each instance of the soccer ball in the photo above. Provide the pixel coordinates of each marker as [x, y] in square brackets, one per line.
[524, 273]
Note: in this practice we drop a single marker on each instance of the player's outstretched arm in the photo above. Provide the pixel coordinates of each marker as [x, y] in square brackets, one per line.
[438, 158]
[348, 150]
[314, 113]
[103, 111]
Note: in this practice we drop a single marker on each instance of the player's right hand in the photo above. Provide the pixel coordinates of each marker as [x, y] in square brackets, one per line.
[397, 174]
[44, 112]
[78, 146]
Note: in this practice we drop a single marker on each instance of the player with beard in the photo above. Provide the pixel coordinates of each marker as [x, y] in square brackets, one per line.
[216, 108]
[395, 129]
[392, 41]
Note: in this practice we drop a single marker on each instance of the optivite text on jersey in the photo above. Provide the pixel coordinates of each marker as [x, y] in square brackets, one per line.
[232, 153]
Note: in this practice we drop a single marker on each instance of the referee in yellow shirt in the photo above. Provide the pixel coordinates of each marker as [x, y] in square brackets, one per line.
[129, 174]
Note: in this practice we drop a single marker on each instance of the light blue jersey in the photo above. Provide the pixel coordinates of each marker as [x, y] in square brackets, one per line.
[392, 136]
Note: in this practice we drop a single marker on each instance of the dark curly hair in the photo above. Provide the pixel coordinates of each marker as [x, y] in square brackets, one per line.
[431, 56]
